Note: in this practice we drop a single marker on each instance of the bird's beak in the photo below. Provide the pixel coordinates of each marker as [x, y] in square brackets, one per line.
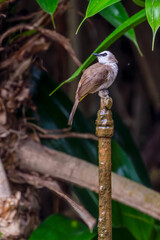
[96, 54]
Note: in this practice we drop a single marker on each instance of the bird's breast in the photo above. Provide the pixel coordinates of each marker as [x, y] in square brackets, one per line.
[110, 77]
[113, 70]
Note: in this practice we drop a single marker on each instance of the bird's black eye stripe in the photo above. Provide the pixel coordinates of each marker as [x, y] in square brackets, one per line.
[104, 54]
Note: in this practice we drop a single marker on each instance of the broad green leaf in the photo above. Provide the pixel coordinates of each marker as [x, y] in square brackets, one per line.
[132, 22]
[95, 6]
[123, 137]
[130, 218]
[58, 227]
[139, 224]
[140, 3]
[116, 14]
[49, 6]
[122, 164]
[153, 16]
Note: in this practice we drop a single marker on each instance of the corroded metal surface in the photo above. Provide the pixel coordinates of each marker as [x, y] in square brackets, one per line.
[104, 131]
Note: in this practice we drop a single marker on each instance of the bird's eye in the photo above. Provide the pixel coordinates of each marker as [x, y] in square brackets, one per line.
[104, 54]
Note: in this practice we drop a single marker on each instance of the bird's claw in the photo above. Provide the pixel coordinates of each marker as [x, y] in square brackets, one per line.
[103, 93]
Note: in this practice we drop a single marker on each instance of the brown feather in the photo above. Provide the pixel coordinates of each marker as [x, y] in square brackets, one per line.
[96, 74]
[70, 120]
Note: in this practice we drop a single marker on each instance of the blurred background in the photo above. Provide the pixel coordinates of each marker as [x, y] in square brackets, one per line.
[136, 91]
[33, 61]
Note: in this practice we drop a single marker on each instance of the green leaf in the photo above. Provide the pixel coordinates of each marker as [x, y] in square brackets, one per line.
[156, 232]
[139, 224]
[122, 164]
[140, 3]
[94, 7]
[153, 16]
[123, 137]
[133, 21]
[120, 233]
[49, 6]
[58, 227]
[116, 15]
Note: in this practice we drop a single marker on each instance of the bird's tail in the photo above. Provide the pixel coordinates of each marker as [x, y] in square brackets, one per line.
[70, 120]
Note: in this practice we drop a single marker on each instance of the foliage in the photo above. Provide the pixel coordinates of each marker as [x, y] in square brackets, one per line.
[153, 16]
[116, 15]
[58, 227]
[151, 10]
[49, 6]
[53, 112]
[117, 33]
[140, 3]
[94, 7]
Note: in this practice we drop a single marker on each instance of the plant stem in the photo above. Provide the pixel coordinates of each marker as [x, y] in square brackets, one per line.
[54, 26]
[80, 25]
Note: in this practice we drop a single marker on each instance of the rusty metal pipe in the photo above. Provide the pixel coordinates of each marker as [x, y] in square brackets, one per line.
[104, 132]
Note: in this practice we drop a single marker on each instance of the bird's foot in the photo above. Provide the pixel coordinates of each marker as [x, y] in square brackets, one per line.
[103, 93]
[106, 100]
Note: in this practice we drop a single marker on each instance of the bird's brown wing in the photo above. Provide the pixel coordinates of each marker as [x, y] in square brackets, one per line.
[92, 78]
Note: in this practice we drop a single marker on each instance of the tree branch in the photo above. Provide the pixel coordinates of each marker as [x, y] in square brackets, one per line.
[35, 157]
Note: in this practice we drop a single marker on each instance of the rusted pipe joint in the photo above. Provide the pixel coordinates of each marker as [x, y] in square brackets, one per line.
[104, 122]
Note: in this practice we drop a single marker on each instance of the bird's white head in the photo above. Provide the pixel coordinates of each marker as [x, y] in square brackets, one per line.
[106, 57]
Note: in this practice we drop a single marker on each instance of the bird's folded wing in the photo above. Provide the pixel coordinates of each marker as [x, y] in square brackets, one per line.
[92, 78]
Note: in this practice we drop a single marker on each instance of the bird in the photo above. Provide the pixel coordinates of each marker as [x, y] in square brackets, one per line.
[97, 77]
